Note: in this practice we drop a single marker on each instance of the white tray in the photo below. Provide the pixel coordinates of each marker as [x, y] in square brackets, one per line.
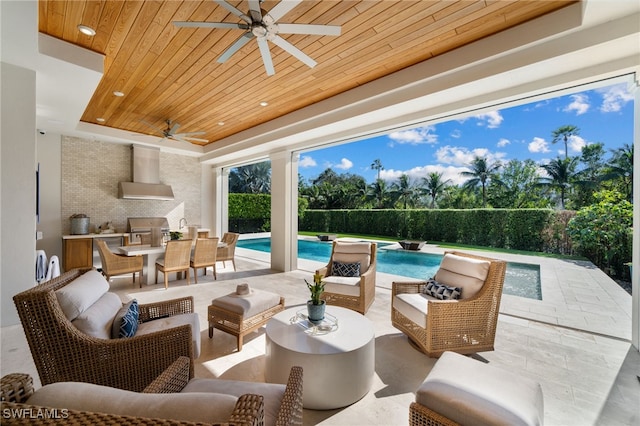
[327, 325]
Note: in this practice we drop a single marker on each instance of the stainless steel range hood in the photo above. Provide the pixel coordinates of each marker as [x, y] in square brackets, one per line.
[145, 169]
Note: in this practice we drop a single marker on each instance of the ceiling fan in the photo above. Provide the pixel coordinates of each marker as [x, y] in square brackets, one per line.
[170, 132]
[263, 26]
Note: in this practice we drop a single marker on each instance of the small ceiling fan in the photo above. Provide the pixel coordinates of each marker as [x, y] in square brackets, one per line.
[263, 26]
[170, 132]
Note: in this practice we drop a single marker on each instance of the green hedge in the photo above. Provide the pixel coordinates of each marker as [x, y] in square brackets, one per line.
[518, 229]
[252, 212]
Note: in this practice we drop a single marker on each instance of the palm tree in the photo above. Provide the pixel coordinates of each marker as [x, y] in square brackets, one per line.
[621, 167]
[405, 191]
[481, 173]
[377, 165]
[561, 174]
[434, 186]
[378, 192]
[564, 133]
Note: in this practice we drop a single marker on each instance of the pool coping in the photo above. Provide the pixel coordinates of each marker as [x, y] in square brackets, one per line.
[575, 294]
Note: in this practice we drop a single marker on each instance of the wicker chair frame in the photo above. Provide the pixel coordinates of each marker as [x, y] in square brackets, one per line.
[16, 388]
[228, 252]
[204, 254]
[61, 352]
[465, 326]
[365, 299]
[236, 325]
[176, 259]
[419, 415]
[116, 264]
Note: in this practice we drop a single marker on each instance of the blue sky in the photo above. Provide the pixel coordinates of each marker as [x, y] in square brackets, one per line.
[523, 132]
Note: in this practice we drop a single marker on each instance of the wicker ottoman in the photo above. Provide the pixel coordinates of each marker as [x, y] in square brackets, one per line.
[240, 314]
[461, 390]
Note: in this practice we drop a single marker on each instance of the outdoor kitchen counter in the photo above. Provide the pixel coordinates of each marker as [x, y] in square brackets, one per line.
[77, 249]
[104, 235]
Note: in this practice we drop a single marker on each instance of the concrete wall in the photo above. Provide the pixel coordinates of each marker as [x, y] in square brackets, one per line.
[17, 186]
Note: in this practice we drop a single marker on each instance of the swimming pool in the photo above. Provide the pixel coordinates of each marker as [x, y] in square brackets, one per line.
[521, 279]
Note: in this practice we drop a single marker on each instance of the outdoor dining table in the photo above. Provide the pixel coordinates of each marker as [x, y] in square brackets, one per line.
[151, 255]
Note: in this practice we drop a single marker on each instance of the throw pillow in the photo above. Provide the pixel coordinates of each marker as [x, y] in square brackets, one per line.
[441, 291]
[125, 323]
[340, 269]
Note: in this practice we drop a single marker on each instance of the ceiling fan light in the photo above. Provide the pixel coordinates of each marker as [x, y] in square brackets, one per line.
[86, 30]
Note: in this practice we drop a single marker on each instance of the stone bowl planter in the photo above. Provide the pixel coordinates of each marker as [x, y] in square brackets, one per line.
[411, 244]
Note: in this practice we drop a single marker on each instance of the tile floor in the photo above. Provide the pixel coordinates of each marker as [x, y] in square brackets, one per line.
[575, 342]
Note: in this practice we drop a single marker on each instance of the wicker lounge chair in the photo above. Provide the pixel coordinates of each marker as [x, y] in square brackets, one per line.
[62, 352]
[356, 293]
[250, 407]
[467, 325]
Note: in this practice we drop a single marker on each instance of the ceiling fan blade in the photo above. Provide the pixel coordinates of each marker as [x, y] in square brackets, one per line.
[254, 10]
[189, 134]
[237, 45]
[235, 11]
[266, 55]
[303, 57]
[190, 24]
[329, 30]
[282, 8]
[153, 126]
[174, 129]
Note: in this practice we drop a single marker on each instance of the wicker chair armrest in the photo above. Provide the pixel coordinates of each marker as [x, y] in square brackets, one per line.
[401, 287]
[151, 311]
[16, 387]
[173, 379]
[291, 407]
[249, 411]
[323, 271]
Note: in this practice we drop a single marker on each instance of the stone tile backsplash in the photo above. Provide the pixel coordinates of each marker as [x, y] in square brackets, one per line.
[92, 169]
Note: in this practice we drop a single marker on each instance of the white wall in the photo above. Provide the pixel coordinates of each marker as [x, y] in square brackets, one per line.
[48, 155]
[17, 186]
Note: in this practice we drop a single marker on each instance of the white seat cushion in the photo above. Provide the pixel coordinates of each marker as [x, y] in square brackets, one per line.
[159, 324]
[349, 286]
[195, 407]
[97, 320]
[464, 272]
[413, 306]
[248, 305]
[272, 393]
[471, 392]
[348, 252]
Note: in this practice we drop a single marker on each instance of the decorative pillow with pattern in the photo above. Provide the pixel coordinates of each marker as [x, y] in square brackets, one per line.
[126, 321]
[441, 291]
[340, 269]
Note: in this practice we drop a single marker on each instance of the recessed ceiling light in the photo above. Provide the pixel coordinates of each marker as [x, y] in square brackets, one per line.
[220, 123]
[86, 30]
[118, 94]
[100, 120]
[263, 103]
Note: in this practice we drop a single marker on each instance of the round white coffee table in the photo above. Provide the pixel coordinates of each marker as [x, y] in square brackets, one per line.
[338, 366]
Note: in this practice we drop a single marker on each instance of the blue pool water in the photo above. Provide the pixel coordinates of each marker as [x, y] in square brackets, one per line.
[521, 279]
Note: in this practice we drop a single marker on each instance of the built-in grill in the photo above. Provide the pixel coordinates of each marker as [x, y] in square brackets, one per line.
[140, 227]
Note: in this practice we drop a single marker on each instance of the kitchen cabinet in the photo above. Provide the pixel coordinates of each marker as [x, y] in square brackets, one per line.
[77, 253]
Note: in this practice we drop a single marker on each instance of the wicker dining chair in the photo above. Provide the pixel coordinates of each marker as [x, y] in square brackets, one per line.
[353, 292]
[467, 325]
[228, 252]
[176, 259]
[116, 264]
[204, 254]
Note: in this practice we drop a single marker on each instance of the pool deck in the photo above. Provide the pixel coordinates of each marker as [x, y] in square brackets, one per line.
[575, 294]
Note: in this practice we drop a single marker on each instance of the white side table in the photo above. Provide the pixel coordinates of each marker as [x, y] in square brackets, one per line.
[338, 366]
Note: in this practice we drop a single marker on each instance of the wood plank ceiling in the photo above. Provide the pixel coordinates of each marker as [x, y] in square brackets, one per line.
[167, 72]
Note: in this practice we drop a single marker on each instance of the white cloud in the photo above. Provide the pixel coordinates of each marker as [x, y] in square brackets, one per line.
[417, 136]
[491, 119]
[576, 143]
[456, 134]
[503, 142]
[614, 98]
[344, 164]
[580, 104]
[417, 173]
[306, 161]
[460, 156]
[538, 145]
